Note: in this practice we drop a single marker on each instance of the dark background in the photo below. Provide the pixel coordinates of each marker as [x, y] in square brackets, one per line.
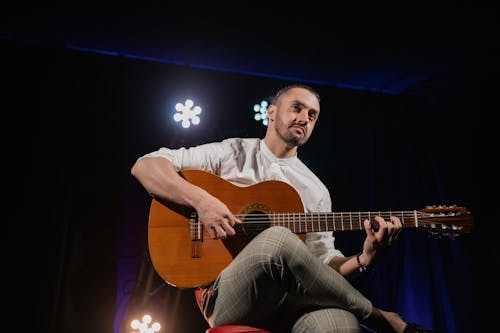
[75, 121]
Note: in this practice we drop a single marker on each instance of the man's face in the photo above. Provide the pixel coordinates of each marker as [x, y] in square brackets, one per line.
[295, 116]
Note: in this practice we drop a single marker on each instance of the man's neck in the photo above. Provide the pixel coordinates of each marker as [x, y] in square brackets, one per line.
[279, 148]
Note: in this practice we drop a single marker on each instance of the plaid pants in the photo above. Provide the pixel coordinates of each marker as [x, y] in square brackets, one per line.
[276, 280]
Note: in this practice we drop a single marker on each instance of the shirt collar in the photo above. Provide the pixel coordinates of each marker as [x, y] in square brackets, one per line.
[269, 154]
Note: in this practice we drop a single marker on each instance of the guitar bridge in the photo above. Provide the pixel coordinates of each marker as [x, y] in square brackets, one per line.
[196, 235]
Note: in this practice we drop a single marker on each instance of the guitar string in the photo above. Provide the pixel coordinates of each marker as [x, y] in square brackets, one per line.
[329, 220]
[294, 218]
[314, 221]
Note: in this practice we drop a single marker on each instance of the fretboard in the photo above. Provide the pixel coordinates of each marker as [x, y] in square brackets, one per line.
[335, 221]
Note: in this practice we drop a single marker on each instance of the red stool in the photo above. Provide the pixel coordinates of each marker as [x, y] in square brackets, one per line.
[227, 328]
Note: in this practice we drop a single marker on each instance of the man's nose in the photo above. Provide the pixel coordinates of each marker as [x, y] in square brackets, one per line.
[303, 117]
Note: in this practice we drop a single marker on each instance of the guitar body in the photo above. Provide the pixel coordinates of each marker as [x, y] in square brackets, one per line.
[187, 263]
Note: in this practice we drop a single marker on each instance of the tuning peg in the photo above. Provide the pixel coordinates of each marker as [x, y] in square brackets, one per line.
[434, 234]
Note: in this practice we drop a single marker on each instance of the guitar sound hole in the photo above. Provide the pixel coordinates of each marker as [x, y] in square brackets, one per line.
[254, 223]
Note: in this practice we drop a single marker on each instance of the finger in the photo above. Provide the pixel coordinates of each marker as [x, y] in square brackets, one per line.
[232, 220]
[397, 227]
[230, 230]
[227, 225]
[385, 232]
[212, 233]
[391, 226]
[396, 221]
[368, 227]
[217, 231]
[220, 231]
[382, 224]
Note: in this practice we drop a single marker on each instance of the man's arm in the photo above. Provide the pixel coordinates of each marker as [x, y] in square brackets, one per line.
[346, 265]
[160, 179]
[376, 241]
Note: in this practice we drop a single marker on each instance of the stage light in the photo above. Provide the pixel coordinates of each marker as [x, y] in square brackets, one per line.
[261, 112]
[143, 326]
[187, 114]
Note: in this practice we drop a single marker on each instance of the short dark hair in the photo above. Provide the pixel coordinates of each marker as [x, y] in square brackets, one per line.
[283, 90]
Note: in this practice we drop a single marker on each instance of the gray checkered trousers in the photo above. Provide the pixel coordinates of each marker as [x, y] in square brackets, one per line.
[276, 280]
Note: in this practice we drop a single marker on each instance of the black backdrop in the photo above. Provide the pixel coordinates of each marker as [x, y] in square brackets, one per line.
[75, 122]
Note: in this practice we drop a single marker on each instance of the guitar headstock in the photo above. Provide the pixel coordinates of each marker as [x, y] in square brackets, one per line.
[446, 220]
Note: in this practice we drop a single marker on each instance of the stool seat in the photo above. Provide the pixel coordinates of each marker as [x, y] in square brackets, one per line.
[227, 328]
[235, 329]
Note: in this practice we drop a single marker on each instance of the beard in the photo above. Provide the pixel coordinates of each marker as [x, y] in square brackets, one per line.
[293, 140]
[286, 133]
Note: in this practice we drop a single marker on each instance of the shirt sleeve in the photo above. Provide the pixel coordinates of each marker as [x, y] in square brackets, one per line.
[322, 244]
[207, 157]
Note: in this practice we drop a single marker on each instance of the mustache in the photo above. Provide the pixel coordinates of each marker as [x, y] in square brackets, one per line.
[299, 125]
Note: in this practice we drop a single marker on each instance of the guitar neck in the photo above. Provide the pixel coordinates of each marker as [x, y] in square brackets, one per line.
[337, 221]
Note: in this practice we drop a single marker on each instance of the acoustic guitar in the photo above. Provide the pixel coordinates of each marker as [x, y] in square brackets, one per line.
[185, 256]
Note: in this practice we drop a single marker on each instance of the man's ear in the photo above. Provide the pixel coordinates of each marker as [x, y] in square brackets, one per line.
[270, 112]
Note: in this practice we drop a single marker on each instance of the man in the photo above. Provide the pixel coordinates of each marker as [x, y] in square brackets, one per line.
[276, 274]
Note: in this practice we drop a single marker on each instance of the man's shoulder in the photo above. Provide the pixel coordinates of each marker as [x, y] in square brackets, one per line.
[311, 175]
[241, 140]
[245, 143]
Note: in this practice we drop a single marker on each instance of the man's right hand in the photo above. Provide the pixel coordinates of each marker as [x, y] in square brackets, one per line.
[216, 217]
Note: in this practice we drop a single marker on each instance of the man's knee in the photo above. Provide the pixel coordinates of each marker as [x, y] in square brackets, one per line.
[280, 235]
[278, 238]
[330, 320]
[277, 231]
